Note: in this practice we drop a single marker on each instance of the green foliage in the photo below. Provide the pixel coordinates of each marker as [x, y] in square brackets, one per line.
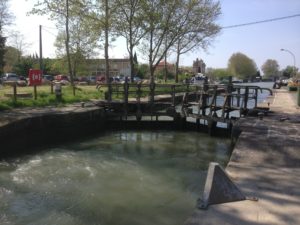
[289, 71]
[12, 56]
[48, 66]
[199, 27]
[241, 66]
[270, 68]
[25, 64]
[218, 74]
[160, 74]
[143, 71]
[182, 77]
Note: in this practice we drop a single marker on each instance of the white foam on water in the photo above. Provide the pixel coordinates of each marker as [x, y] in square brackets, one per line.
[146, 178]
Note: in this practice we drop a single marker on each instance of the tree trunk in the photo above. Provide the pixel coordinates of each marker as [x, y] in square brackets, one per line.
[177, 64]
[151, 58]
[67, 44]
[166, 69]
[131, 53]
[132, 68]
[106, 50]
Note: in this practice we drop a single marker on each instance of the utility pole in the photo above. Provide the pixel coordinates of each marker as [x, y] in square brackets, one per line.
[41, 50]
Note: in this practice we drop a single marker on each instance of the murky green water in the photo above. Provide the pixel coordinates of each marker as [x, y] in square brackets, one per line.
[120, 178]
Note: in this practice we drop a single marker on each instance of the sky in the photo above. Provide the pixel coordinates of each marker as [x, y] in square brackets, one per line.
[259, 42]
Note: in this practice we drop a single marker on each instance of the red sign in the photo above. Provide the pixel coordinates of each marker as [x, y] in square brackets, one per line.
[35, 77]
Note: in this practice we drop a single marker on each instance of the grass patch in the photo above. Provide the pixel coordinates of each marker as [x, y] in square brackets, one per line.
[82, 93]
[46, 98]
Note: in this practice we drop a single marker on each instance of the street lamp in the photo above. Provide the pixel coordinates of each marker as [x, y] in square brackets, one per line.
[294, 68]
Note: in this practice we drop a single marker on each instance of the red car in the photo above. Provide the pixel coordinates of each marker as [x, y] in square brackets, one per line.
[61, 77]
[100, 79]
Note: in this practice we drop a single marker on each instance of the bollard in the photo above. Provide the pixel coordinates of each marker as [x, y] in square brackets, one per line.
[57, 91]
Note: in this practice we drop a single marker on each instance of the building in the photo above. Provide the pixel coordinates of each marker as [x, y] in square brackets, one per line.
[199, 66]
[117, 67]
[162, 64]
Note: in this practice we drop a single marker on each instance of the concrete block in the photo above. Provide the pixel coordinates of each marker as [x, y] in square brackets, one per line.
[219, 188]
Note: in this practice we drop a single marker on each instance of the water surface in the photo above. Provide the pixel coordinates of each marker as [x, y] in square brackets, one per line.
[120, 178]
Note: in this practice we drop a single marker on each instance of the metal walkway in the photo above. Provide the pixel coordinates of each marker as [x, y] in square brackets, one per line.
[208, 103]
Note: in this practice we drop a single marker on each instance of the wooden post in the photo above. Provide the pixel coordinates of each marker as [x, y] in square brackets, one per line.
[204, 96]
[246, 96]
[213, 101]
[126, 90]
[238, 98]
[229, 98]
[152, 94]
[15, 92]
[211, 124]
[255, 99]
[126, 94]
[138, 101]
[35, 92]
[51, 87]
[173, 95]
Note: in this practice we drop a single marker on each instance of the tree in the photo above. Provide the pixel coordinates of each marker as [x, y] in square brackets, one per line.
[218, 74]
[241, 66]
[270, 68]
[23, 66]
[289, 71]
[83, 41]
[142, 71]
[12, 57]
[162, 23]
[60, 11]
[101, 12]
[2, 51]
[200, 27]
[5, 19]
[6, 16]
[130, 24]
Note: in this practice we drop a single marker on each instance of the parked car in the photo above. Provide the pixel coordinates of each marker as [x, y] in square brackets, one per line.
[100, 79]
[61, 77]
[91, 80]
[22, 82]
[48, 77]
[81, 80]
[10, 77]
[114, 79]
[136, 79]
[285, 81]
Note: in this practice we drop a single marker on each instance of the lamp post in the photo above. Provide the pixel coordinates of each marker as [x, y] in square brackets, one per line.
[294, 68]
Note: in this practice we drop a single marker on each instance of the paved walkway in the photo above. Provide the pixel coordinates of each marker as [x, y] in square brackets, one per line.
[265, 163]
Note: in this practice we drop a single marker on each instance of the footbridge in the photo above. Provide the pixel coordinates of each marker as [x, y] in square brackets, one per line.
[206, 104]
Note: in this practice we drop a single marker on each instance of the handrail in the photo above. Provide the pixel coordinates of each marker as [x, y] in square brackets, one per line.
[267, 89]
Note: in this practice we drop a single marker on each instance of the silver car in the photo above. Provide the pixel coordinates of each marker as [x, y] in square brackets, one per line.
[10, 77]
